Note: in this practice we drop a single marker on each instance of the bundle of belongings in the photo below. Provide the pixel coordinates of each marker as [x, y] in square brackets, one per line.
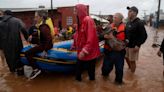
[114, 43]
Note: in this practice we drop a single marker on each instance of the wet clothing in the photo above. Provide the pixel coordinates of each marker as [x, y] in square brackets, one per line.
[162, 46]
[162, 49]
[115, 58]
[34, 32]
[89, 66]
[136, 33]
[12, 43]
[85, 38]
[86, 42]
[50, 24]
[131, 55]
[45, 43]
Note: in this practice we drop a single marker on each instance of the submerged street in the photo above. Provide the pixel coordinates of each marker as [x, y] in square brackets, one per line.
[147, 78]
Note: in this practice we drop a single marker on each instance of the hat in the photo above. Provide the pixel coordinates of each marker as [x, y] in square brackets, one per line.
[8, 12]
[133, 8]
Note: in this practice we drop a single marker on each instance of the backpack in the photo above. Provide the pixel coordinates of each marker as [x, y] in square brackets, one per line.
[4, 31]
[144, 36]
[144, 33]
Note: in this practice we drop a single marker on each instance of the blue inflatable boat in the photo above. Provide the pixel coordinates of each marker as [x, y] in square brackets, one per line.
[59, 58]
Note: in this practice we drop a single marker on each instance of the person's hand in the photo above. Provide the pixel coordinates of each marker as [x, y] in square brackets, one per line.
[81, 55]
[136, 49]
[44, 54]
[72, 48]
[29, 38]
[108, 36]
[159, 53]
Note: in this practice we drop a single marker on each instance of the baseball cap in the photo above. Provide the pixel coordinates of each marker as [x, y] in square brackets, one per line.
[133, 8]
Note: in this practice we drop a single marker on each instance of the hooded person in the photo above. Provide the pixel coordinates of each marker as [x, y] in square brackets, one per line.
[11, 42]
[85, 42]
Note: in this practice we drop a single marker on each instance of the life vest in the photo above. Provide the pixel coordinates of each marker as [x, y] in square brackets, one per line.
[50, 24]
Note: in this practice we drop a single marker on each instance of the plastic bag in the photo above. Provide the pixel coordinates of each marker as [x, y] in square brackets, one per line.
[27, 71]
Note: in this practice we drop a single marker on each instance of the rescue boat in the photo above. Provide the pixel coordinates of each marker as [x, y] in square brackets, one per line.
[58, 59]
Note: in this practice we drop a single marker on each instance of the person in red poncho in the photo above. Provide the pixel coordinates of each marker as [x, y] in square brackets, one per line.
[85, 42]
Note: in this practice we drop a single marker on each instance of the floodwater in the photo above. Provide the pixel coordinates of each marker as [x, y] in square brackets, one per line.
[147, 78]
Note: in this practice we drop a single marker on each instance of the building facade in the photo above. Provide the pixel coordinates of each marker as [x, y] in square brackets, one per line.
[61, 16]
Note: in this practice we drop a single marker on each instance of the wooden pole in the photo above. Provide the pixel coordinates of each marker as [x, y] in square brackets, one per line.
[51, 7]
[158, 13]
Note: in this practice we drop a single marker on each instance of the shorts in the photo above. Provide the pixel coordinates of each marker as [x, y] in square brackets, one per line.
[131, 55]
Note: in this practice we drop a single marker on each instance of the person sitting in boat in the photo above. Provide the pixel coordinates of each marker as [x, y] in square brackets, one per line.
[44, 44]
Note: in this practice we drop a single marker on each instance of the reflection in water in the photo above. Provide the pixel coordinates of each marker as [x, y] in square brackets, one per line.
[147, 78]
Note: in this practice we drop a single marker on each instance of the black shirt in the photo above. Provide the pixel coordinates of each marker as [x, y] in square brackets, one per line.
[135, 33]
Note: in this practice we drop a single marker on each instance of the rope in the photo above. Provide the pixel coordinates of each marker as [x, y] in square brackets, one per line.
[50, 61]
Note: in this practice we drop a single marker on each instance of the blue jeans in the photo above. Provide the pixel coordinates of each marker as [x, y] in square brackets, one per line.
[114, 58]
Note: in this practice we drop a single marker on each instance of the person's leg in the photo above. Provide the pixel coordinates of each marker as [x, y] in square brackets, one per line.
[31, 53]
[127, 58]
[10, 59]
[119, 65]
[91, 69]
[2, 57]
[133, 66]
[163, 64]
[128, 62]
[107, 66]
[79, 69]
[133, 57]
[19, 65]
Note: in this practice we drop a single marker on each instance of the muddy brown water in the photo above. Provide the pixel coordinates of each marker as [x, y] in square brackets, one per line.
[147, 78]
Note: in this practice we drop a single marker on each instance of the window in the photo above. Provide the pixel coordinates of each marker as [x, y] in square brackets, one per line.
[69, 20]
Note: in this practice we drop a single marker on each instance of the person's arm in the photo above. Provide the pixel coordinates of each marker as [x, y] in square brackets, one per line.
[73, 46]
[23, 29]
[161, 50]
[24, 32]
[101, 37]
[91, 35]
[162, 47]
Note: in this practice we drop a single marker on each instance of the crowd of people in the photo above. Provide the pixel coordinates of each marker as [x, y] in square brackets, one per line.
[122, 41]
